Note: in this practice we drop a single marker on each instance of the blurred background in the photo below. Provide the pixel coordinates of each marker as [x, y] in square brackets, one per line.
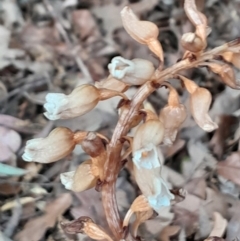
[55, 45]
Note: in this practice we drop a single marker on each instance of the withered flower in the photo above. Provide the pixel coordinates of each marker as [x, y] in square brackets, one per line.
[172, 116]
[232, 57]
[140, 204]
[132, 72]
[200, 101]
[226, 73]
[86, 226]
[81, 179]
[82, 99]
[59, 143]
[144, 32]
[93, 145]
[141, 217]
[195, 42]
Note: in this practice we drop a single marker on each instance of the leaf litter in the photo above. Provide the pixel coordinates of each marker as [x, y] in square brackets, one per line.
[54, 46]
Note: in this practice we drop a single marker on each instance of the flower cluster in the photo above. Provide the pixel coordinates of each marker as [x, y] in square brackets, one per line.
[105, 160]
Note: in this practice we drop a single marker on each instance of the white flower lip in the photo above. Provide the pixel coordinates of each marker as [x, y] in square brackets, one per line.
[119, 67]
[146, 157]
[56, 103]
[67, 179]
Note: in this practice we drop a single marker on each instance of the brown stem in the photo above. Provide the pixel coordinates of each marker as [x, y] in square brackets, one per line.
[113, 162]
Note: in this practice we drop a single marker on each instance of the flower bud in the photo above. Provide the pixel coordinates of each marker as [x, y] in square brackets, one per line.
[151, 131]
[58, 144]
[226, 73]
[82, 99]
[192, 43]
[144, 32]
[133, 72]
[81, 179]
[93, 145]
[112, 84]
[200, 101]
[172, 116]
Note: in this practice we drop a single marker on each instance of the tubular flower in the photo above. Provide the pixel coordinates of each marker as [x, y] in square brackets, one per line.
[144, 32]
[82, 99]
[133, 72]
[58, 144]
[233, 58]
[81, 179]
[200, 101]
[150, 132]
[172, 116]
[147, 172]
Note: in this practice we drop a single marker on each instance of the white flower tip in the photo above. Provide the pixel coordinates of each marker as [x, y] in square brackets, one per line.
[50, 116]
[67, 179]
[26, 157]
[50, 107]
[209, 127]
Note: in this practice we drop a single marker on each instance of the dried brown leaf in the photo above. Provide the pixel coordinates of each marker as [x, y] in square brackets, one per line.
[220, 225]
[230, 168]
[227, 127]
[168, 232]
[36, 228]
[197, 187]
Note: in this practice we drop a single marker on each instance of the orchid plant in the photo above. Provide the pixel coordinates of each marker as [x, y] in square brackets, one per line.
[106, 156]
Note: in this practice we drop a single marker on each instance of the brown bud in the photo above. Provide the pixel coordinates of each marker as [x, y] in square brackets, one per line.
[143, 32]
[112, 84]
[93, 145]
[200, 101]
[172, 116]
[59, 143]
[81, 179]
[87, 226]
[226, 73]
